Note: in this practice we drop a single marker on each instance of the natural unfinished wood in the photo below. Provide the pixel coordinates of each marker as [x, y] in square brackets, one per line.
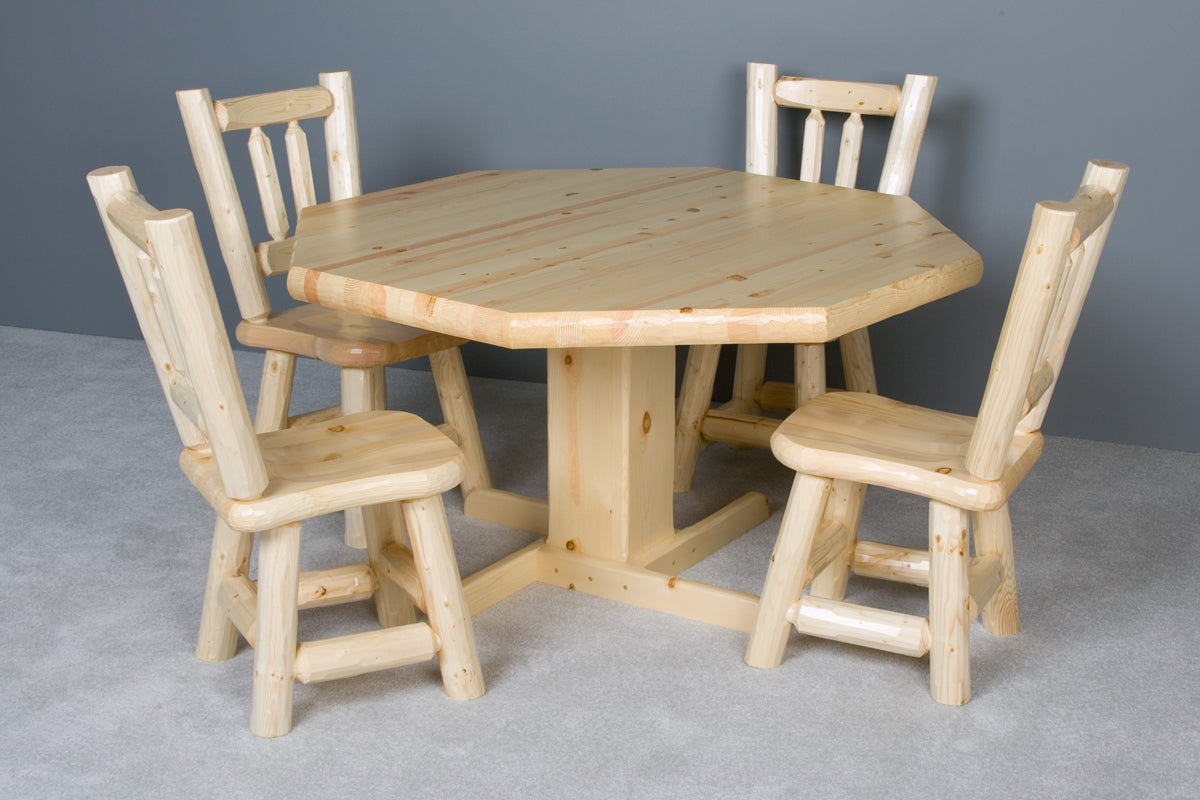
[846, 97]
[949, 620]
[747, 430]
[694, 399]
[607, 269]
[1048, 300]
[883, 442]
[239, 600]
[335, 585]
[344, 340]
[789, 566]
[766, 93]
[229, 560]
[269, 482]
[122, 213]
[993, 537]
[573, 258]
[967, 467]
[445, 602]
[647, 588]
[608, 416]
[275, 631]
[692, 544]
[892, 563]
[347, 656]
[272, 108]
[892, 631]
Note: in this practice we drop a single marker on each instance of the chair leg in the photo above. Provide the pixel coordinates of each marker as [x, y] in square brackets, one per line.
[748, 375]
[789, 563]
[810, 372]
[949, 623]
[445, 602]
[857, 364]
[230, 556]
[393, 606]
[844, 506]
[275, 624]
[362, 390]
[695, 398]
[275, 392]
[993, 537]
[458, 409]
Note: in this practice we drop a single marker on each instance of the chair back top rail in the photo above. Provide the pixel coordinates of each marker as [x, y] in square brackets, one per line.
[205, 120]
[163, 266]
[273, 108]
[1062, 250]
[909, 105]
[846, 97]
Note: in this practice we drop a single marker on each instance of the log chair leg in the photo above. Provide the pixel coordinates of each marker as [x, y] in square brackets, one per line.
[845, 506]
[458, 410]
[230, 556]
[857, 364]
[789, 563]
[748, 375]
[393, 606]
[445, 602]
[695, 397]
[810, 372]
[362, 390]
[275, 392]
[993, 537]
[949, 631]
[275, 645]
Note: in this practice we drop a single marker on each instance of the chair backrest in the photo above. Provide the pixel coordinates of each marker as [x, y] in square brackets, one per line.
[1064, 245]
[909, 106]
[163, 266]
[206, 120]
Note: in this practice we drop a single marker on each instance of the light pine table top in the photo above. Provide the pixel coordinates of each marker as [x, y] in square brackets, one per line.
[627, 257]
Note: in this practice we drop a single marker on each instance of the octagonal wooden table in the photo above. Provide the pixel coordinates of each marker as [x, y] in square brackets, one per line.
[609, 270]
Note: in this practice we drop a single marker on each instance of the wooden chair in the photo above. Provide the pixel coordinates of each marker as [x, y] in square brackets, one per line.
[269, 482]
[966, 467]
[360, 346]
[765, 94]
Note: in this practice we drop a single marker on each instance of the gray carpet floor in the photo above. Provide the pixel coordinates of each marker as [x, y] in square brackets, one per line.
[105, 544]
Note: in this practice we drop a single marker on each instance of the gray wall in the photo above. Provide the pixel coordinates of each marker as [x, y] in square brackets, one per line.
[1028, 91]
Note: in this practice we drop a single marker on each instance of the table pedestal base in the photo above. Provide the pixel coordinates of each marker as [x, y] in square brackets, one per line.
[644, 585]
[609, 529]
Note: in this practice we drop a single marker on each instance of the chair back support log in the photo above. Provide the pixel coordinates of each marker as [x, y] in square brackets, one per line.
[908, 105]
[163, 266]
[1059, 262]
[206, 121]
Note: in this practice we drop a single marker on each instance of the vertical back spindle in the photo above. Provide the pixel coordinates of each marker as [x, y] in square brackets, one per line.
[266, 176]
[848, 155]
[813, 146]
[300, 166]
